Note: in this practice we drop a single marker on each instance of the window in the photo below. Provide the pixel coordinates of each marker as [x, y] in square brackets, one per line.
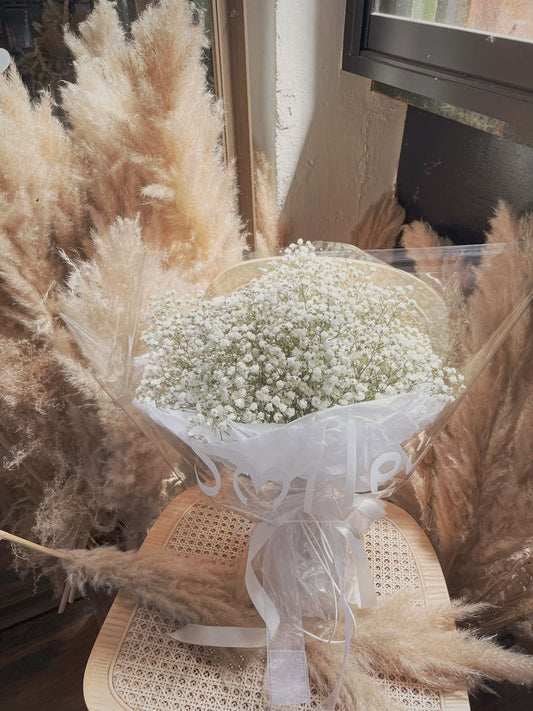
[474, 54]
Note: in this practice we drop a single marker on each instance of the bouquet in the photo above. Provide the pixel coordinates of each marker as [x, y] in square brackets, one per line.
[307, 387]
[298, 354]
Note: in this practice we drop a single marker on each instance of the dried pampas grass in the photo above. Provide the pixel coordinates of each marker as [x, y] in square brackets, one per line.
[417, 235]
[136, 180]
[269, 232]
[398, 638]
[473, 494]
[75, 469]
[106, 304]
[41, 209]
[381, 225]
[186, 590]
[142, 117]
[402, 638]
[51, 446]
[106, 295]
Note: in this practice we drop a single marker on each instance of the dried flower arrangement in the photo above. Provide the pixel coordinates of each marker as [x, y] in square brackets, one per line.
[133, 172]
[182, 346]
[136, 173]
[229, 317]
[397, 637]
[473, 494]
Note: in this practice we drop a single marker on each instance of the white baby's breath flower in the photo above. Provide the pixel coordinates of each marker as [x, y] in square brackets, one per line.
[310, 333]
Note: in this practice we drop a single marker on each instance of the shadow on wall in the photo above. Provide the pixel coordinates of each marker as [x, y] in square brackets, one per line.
[337, 144]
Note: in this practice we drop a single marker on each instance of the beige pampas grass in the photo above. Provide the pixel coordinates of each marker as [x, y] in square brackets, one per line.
[106, 304]
[76, 468]
[474, 492]
[396, 638]
[417, 235]
[150, 131]
[52, 448]
[421, 642]
[381, 224]
[269, 232]
[401, 639]
[137, 179]
[32, 137]
[454, 274]
[187, 590]
[41, 208]
[106, 295]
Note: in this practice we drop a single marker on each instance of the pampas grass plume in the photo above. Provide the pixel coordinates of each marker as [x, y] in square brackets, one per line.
[269, 231]
[144, 119]
[479, 470]
[380, 225]
[41, 209]
[397, 637]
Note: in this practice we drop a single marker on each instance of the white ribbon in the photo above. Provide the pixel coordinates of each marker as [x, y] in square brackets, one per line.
[206, 636]
[283, 634]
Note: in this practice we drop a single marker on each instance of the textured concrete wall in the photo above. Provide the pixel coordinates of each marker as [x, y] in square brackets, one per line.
[335, 145]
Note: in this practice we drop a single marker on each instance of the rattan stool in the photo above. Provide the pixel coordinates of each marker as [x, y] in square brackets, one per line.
[136, 666]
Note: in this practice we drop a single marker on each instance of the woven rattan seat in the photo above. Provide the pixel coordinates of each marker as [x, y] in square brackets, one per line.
[136, 666]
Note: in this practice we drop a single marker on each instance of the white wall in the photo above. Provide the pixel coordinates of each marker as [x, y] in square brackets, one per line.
[335, 144]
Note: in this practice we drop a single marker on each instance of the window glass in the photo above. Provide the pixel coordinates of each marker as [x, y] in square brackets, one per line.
[509, 18]
[32, 32]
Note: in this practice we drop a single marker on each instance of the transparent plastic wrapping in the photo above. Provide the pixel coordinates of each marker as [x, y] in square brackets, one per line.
[314, 484]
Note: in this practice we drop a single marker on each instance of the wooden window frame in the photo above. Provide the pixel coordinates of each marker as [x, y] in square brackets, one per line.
[232, 85]
[487, 74]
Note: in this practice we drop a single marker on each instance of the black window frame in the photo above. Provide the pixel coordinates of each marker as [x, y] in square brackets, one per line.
[477, 71]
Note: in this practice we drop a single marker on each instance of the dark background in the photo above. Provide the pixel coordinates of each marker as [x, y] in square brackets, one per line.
[452, 175]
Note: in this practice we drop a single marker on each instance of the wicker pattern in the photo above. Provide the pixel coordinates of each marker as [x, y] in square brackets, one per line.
[153, 672]
[209, 531]
[392, 562]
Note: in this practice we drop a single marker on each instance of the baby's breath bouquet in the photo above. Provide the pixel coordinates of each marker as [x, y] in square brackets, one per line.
[301, 390]
[307, 335]
[296, 381]
[308, 346]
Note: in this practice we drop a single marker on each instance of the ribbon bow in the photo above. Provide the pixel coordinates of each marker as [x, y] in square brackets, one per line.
[304, 560]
